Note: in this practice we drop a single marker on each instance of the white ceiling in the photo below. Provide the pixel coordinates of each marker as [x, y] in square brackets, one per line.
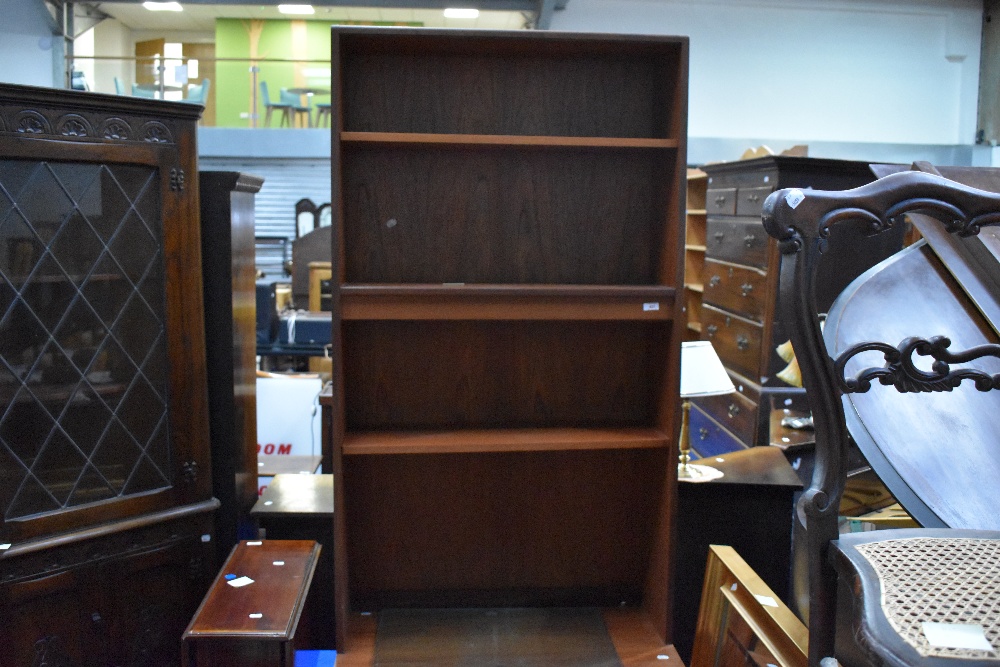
[201, 18]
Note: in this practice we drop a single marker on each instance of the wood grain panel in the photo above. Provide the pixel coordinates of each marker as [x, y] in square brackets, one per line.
[488, 216]
[425, 375]
[575, 524]
[421, 91]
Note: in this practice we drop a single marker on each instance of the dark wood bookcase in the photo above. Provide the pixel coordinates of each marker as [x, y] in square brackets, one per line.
[508, 212]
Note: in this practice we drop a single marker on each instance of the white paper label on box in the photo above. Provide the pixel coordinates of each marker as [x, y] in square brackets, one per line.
[254, 544]
[957, 635]
[794, 198]
[239, 582]
[651, 306]
[766, 600]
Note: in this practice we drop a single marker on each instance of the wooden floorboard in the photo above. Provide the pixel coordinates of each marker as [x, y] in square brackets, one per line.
[634, 638]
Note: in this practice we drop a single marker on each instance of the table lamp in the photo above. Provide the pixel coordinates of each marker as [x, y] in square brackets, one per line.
[702, 374]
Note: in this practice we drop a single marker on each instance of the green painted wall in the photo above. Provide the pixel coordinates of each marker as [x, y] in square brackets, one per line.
[305, 42]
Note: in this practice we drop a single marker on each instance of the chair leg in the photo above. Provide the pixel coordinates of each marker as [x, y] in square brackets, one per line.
[267, 117]
[286, 118]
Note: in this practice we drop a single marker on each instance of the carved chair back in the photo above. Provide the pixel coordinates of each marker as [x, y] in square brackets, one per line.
[804, 222]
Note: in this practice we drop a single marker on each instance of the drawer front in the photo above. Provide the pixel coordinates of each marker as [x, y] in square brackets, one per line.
[738, 241]
[750, 201]
[738, 341]
[738, 288]
[708, 438]
[721, 201]
[734, 411]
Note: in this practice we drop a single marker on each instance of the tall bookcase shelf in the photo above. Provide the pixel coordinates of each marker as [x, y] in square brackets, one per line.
[508, 317]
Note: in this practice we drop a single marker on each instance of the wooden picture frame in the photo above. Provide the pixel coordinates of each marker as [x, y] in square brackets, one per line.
[741, 621]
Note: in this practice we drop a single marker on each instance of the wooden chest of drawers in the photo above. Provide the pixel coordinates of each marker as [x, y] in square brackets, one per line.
[738, 312]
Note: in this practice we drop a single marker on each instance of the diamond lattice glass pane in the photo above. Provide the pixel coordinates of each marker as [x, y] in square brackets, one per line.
[134, 247]
[24, 425]
[7, 296]
[117, 455]
[114, 205]
[140, 410]
[138, 183]
[79, 328]
[81, 335]
[151, 289]
[158, 449]
[120, 368]
[22, 339]
[75, 247]
[44, 203]
[86, 419]
[47, 292]
[106, 290]
[137, 329]
[12, 473]
[54, 378]
[78, 181]
[8, 384]
[6, 201]
[31, 498]
[90, 488]
[155, 369]
[15, 174]
[21, 248]
[58, 466]
[146, 477]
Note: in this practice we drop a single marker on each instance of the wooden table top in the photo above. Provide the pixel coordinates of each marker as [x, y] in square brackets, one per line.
[756, 465]
[786, 438]
[268, 608]
[292, 494]
[278, 464]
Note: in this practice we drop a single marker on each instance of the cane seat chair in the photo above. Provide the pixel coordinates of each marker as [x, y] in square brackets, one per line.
[921, 410]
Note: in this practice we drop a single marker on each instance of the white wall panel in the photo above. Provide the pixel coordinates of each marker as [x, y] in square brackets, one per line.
[888, 71]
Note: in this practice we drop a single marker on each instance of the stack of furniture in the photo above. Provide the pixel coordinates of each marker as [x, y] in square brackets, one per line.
[507, 316]
[738, 311]
[105, 475]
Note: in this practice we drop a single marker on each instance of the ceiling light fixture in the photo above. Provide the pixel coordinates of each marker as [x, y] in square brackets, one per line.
[296, 9]
[163, 6]
[461, 13]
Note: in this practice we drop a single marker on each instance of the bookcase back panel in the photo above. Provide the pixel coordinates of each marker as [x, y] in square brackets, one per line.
[491, 216]
[497, 88]
[550, 527]
[430, 375]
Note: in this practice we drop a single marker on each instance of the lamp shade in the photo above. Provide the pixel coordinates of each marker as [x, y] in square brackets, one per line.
[702, 372]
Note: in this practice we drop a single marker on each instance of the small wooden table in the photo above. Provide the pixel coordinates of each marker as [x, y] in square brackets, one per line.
[253, 625]
[750, 509]
[300, 507]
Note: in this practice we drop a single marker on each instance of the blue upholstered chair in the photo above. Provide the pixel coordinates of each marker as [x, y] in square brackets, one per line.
[198, 93]
[285, 109]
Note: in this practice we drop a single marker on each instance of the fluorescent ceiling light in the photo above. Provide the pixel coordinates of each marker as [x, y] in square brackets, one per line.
[296, 9]
[460, 13]
[163, 6]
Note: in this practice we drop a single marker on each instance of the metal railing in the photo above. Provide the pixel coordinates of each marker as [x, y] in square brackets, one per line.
[298, 90]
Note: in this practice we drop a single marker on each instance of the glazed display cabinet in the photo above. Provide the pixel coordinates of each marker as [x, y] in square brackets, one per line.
[105, 478]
